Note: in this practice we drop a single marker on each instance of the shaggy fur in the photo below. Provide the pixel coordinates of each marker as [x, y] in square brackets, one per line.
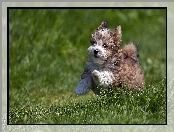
[109, 66]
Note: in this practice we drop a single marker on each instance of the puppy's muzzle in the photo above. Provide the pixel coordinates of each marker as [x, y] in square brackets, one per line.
[96, 52]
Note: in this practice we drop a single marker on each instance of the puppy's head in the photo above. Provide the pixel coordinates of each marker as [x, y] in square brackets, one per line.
[105, 43]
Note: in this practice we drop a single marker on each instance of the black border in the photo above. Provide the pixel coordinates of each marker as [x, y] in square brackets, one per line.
[8, 8]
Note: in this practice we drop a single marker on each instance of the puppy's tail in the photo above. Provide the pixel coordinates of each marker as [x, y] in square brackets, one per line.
[130, 50]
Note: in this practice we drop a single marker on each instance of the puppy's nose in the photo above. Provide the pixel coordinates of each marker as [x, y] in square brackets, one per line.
[96, 51]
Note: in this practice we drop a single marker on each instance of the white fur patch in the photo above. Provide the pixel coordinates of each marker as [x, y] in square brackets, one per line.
[104, 32]
[101, 55]
[103, 78]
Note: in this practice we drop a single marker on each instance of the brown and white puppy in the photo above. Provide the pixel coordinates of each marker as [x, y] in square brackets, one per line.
[107, 65]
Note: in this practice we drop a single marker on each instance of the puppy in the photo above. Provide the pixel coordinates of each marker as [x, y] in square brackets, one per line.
[108, 66]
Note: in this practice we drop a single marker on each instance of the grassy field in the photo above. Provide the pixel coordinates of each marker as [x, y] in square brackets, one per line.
[47, 54]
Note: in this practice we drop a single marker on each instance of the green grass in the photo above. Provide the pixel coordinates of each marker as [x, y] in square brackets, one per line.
[47, 54]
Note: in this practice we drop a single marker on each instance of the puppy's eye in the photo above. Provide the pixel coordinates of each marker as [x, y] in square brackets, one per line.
[105, 45]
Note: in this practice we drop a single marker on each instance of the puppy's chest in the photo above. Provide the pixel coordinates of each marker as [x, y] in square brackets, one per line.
[110, 67]
[91, 67]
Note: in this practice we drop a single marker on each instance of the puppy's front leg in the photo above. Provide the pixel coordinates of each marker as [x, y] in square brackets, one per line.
[103, 78]
[84, 84]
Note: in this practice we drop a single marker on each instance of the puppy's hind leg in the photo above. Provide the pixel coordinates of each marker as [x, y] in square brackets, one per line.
[134, 76]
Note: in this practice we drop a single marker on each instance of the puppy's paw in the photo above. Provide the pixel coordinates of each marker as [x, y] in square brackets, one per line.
[96, 77]
[103, 78]
[95, 74]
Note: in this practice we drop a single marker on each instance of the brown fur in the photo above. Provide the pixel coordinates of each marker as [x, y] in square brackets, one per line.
[126, 67]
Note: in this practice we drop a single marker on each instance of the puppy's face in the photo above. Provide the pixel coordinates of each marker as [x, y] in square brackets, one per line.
[104, 44]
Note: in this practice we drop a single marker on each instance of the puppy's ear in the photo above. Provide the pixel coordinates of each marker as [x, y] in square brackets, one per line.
[104, 24]
[118, 31]
[116, 35]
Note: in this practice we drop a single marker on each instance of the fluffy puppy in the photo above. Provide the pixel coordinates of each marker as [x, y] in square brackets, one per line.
[107, 65]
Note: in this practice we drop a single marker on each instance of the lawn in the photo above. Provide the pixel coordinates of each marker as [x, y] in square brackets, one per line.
[48, 52]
